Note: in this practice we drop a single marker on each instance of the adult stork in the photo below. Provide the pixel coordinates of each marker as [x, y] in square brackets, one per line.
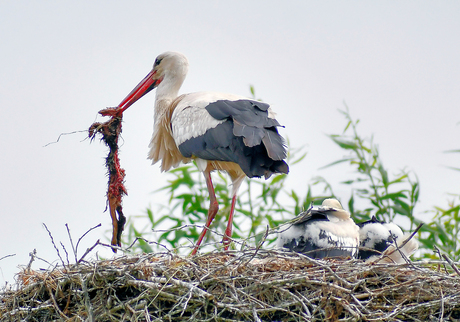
[320, 232]
[378, 237]
[219, 131]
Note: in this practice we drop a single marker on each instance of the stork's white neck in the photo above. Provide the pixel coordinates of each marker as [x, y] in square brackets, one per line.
[174, 71]
[166, 93]
[169, 87]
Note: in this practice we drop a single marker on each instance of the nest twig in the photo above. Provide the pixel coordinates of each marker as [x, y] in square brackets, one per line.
[252, 285]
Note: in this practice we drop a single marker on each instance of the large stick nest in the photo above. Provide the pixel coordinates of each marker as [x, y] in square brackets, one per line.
[254, 285]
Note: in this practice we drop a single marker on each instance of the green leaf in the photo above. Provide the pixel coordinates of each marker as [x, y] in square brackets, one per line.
[336, 162]
[383, 174]
[394, 196]
[347, 126]
[344, 144]
[453, 168]
[278, 178]
[351, 204]
[253, 91]
[399, 179]
[452, 151]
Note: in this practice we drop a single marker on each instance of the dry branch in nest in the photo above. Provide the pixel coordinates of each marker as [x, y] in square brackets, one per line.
[253, 285]
[110, 131]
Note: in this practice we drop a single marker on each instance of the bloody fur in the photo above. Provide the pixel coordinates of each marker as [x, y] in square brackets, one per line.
[110, 131]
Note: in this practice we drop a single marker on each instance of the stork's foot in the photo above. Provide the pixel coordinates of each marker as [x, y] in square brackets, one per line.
[118, 228]
[121, 224]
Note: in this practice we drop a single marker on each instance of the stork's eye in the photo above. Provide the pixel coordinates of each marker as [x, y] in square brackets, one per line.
[157, 61]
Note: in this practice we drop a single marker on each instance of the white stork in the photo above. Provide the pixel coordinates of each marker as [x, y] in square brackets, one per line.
[377, 237]
[320, 232]
[219, 131]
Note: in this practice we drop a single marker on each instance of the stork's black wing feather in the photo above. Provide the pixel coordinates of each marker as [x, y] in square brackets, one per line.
[247, 137]
[251, 121]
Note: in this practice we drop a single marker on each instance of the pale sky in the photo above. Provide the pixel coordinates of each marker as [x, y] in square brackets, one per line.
[394, 63]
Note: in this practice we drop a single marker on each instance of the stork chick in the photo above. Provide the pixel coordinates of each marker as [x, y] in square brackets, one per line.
[377, 237]
[320, 232]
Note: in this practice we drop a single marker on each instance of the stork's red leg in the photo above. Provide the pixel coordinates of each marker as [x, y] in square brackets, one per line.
[237, 179]
[112, 208]
[228, 232]
[213, 208]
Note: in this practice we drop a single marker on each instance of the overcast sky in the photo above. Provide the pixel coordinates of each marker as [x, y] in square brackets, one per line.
[394, 63]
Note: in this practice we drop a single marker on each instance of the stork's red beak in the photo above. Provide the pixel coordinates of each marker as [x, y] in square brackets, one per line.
[146, 85]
